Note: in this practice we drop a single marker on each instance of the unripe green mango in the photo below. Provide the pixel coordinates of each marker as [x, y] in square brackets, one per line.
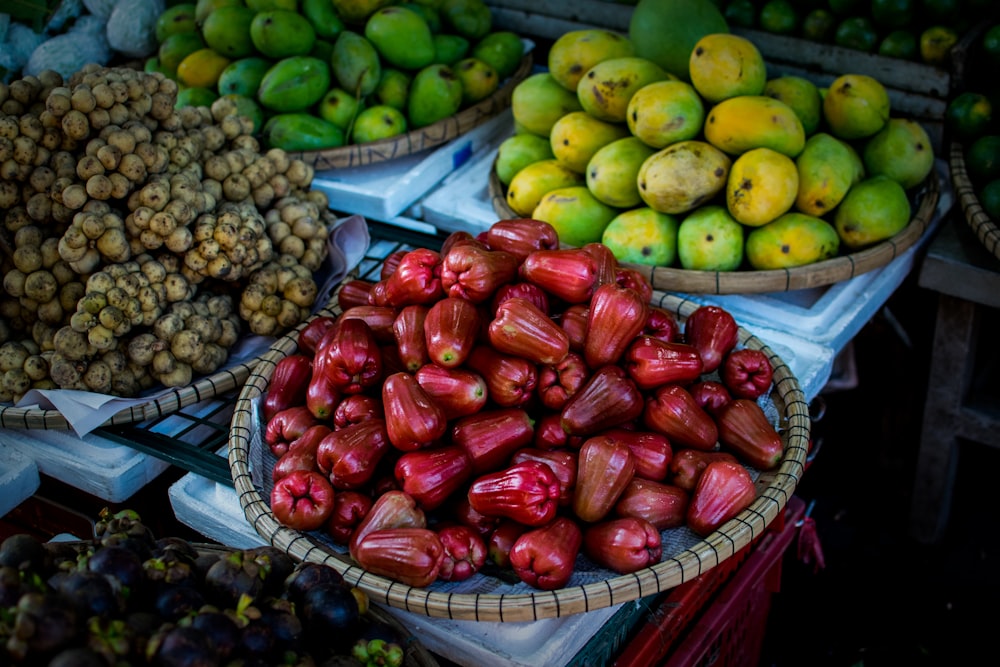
[479, 80]
[428, 11]
[280, 33]
[539, 101]
[300, 131]
[179, 18]
[356, 12]
[435, 94]
[401, 36]
[394, 88]
[613, 170]
[502, 49]
[578, 216]
[294, 84]
[469, 18]
[518, 151]
[378, 122]
[227, 31]
[874, 210]
[355, 63]
[827, 167]
[449, 49]
[177, 47]
[323, 17]
[243, 76]
[339, 107]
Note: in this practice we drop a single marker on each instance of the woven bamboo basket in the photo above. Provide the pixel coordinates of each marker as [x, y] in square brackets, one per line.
[173, 400]
[982, 224]
[826, 272]
[436, 134]
[444, 600]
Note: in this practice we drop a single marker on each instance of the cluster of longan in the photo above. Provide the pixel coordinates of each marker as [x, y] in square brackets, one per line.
[116, 207]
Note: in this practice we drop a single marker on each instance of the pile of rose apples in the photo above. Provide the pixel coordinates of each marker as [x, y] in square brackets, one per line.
[509, 402]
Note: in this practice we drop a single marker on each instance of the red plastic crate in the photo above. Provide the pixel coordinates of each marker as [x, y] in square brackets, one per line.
[727, 630]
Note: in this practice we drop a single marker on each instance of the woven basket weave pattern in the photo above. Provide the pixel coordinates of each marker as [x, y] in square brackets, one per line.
[775, 489]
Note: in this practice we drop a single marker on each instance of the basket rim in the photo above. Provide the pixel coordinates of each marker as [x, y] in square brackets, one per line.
[414, 141]
[722, 544]
[985, 229]
[166, 403]
[817, 274]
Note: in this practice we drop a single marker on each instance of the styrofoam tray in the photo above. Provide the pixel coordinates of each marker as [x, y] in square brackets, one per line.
[213, 510]
[91, 463]
[383, 191]
[18, 478]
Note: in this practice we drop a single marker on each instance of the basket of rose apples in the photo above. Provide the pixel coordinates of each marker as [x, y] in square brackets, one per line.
[507, 429]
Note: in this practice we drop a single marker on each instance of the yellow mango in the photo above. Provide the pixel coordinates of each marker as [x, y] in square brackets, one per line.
[746, 122]
[724, 65]
[532, 182]
[576, 51]
[575, 138]
[794, 239]
[762, 185]
[683, 176]
[202, 68]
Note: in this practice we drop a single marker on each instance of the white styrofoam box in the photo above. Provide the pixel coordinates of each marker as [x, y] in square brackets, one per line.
[214, 510]
[18, 478]
[462, 201]
[91, 463]
[384, 190]
[547, 642]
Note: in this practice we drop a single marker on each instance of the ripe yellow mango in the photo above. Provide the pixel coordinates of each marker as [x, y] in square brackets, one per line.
[794, 239]
[683, 176]
[577, 136]
[607, 87]
[576, 51]
[762, 185]
[530, 184]
[742, 123]
[724, 65]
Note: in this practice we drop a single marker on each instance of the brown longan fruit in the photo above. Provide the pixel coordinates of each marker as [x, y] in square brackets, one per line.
[76, 124]
[103, 96]
[74, 196]
[99, 118]
[109, 156]
[119, 113]
[10, 194]
[132, 167]
[39, 206]
[236, 187]
[12, 107]
[99, 187]
[25, 150]
[179, 241]
[30, 126]
[42, 178]
[120, 186]
[84, 99]
[41, 286]
[8, 127]
[125, 140]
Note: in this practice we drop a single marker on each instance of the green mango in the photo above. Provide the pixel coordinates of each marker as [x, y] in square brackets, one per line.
[874, 210]
[301, 131]
[429, 12]
[279, 33]
[203, 8]
[265, 5]
[152, 65]
[394, 88]
[607, 87]
[243, 76]
[339, 107]
[401, 36]
[613, 169]
[501, 49]
[578, 216]
[323, 18]
[194, 96]
[518, 151]
[479, 80]
[356, 12]
[827, 167]
[710, 239]
[177, 47]
[435, 94]
[323, 50]
[539, 101]
[355, 63]
[449, 49]
[227, 31]
[179, 18]
[643, 236]
[469, 18]
[294, 84]
[378, 122]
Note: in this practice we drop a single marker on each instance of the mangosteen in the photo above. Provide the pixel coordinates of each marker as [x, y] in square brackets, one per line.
[22, 551]
[182, 646]
[307, 575]
[78, 656]
[276, 564]
[46, 624]
[91, 593]
[232, 577]
[121, 564]
[175, 602]
[222, 631]
[330, 616]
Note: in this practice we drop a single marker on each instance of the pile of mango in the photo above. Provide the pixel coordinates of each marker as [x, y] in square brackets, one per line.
[319, 74]
[716, 167]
